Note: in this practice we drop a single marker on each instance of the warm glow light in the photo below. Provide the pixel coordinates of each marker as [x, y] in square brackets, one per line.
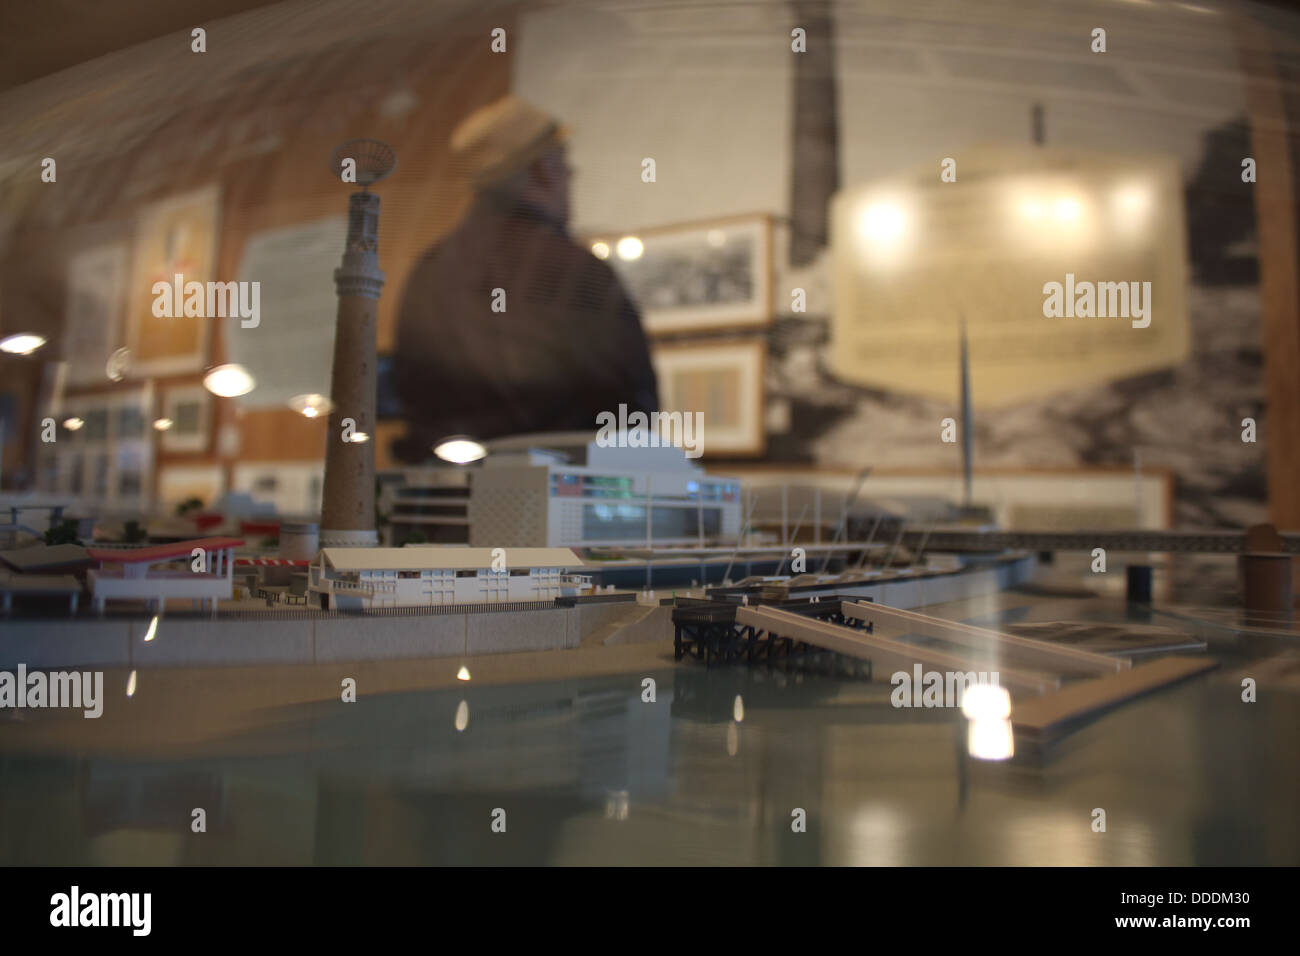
[882, 222]
[130, 685]
[459, 450]
[738, 710]
[73, 424]
[153, 629]
[991, 739]
[162, 424]
[229, 381]
[1132, 204]
[359, 438]
[463, 673]
[600, 250]
[311, 405]
[986, 702]
[1067, 209]
[629, 248]
[990, 736]
[1031, 209]
[24, 343]
[462, 716]
[1132, 198]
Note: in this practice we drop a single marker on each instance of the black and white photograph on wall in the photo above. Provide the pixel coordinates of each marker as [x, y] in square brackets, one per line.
[697, 277]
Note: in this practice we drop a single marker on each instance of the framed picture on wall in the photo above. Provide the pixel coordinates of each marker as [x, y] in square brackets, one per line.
[103, 454]
[696, 277]
[174, 237]
[189, 408]
[96, 292]
[292, 487]
[724, 381]
[292, 355]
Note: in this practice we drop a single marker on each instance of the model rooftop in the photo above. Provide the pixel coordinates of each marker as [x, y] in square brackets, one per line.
[430, 558]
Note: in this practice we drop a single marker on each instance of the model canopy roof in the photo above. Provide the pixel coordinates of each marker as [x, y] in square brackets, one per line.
[422, 558]
[162, 552]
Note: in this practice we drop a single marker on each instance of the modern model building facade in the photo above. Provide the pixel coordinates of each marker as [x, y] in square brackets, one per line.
[425, 505]
[357, 578]
[620, 496]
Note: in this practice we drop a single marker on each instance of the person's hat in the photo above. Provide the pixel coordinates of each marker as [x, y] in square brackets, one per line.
[497, 141]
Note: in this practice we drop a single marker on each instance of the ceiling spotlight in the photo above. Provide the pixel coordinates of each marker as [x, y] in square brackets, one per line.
[24, 343]
[463, 673]
[459, 450]
[600, 249]
[629, 248]
[229, 381]
[162, 424]
[73, 424]
[311, 405]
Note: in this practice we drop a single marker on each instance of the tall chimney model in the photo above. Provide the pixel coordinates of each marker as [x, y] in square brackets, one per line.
[348, 515]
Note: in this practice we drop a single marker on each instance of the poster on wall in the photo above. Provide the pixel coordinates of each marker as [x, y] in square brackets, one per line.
[178, 484]
[174, 237]
[1067, 268]
[92, 330]
[722, 381]
[291, 350]
[188, 408]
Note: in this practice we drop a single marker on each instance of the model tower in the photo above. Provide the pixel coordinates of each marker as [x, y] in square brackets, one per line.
[348, 515]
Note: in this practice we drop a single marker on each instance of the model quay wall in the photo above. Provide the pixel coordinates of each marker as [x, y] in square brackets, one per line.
[310, 636]
[298, 637]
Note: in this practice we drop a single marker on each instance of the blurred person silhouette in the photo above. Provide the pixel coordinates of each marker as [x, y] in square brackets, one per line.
[569, 342]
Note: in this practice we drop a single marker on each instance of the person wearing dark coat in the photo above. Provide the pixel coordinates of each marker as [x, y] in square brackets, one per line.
[507, 326]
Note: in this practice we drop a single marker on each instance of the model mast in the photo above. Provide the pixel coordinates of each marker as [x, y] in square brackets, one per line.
[967, 420]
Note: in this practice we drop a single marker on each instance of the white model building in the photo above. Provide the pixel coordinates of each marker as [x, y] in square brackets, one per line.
[355, 578]
[620, 496]
[157, 572]
[428, 503]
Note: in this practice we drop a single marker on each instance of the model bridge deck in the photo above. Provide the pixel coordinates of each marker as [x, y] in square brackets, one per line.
[1033, 671]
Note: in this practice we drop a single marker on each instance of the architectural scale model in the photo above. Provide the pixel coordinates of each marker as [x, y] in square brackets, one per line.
[617, 496]
[421, 576]
[155, 573]
[348, 517]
